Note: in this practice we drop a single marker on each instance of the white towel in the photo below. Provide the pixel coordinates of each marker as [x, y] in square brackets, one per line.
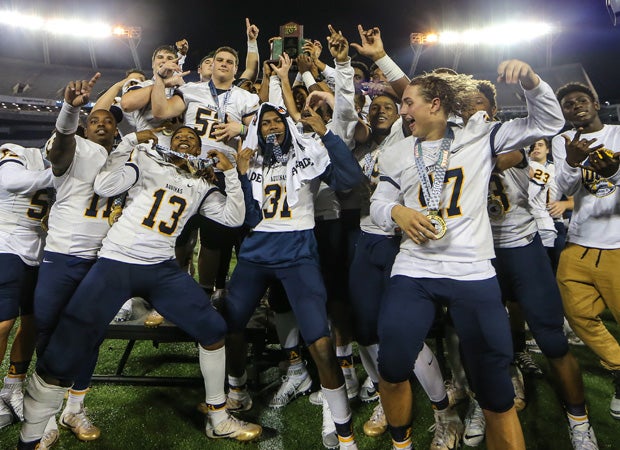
[307, 160]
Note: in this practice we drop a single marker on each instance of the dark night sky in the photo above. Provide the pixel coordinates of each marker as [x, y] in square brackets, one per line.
[586, 36]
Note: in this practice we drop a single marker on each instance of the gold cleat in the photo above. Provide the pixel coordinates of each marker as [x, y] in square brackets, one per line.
[80, 425]
[154, 319]
[233, 428]
[49, 439]
[377, 424]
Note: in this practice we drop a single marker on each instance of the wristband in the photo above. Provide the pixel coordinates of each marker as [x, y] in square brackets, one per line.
[308, 79]
[68, 119]
[243, 130]
[389, 68]
[252, 47]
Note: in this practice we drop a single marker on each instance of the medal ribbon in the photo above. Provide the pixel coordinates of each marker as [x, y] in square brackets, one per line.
[281, 157]
[369, 164]
[432, 194]
[221, 110]
[195, 161]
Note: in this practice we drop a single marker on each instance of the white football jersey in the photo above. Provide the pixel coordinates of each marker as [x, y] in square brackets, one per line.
[142, 119]
[78, 219]
[464, 253]
[596, 217]
[202, 113]
[516, 227]
[278, 216]
[368, 157]
[159, 204]
[23, 207]
[540, 191]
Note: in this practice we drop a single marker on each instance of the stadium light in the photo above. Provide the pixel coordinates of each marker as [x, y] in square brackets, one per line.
[73, 27]
[501, 34]
[505, 34]
[70, 27]
[419, 43]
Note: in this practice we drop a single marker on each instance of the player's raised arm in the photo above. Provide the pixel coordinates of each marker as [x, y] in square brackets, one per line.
[61, 148]
[372, 47]
[162, 106]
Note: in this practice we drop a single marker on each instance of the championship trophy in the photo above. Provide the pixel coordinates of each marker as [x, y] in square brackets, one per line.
[290, 41]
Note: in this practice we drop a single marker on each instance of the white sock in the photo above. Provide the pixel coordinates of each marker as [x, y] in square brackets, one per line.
[213, 368]
[344, 350]
[575, 421]
[238, 382]
[286, 328]
[369, 356]
[297, 370]
[75, 401]
[51, 425]
[429, 375]
[41, 401]
[8, 380]
[338, 403]
[454, 358]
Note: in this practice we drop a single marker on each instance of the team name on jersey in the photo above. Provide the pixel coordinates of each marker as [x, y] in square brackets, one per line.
[178, 190]
[257, 177]
[302, 164]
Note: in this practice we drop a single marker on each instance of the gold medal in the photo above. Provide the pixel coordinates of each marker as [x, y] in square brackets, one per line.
[495, 207]
[116, 212]
[438, 223]
[168, 128]
[44, 221]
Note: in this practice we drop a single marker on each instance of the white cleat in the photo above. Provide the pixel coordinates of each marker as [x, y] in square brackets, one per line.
[291, 388]
[368, 393]
[475, 425]
[233, 428]
[448, 430]
[582, 437]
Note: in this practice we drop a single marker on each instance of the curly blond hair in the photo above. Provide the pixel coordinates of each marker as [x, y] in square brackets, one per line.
[453, 90]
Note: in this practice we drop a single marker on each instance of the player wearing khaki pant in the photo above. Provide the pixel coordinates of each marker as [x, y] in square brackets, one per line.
[589, 283]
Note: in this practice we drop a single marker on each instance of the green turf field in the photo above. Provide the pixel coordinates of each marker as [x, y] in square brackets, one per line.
[138, 417]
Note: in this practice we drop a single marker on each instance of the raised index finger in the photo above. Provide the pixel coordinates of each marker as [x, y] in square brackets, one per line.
[94, 79]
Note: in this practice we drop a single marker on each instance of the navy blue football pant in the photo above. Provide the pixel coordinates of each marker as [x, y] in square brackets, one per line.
[59, 277]
[304, 289]
[109, 283]
[526, 276]
[17, 282]
[368, 279]
[407, 314]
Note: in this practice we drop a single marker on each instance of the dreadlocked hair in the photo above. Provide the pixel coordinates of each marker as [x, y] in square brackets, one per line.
[453, 91]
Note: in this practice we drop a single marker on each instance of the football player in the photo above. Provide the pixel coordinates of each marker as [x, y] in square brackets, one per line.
[446, 251]
[137, 258]
[77, 224]
[526, 276]
[587, 268]
[25, 179]
[282, 177]
[374, 254]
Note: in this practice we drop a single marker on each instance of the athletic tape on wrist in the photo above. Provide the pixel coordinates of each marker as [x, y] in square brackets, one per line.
[252, 47]
[68, 119]
[390, 69]
[308, 79]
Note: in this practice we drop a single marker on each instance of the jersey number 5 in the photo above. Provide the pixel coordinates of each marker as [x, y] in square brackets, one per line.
[40, 200]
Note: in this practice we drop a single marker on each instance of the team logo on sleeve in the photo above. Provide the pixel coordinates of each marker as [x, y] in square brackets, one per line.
[596, 185]
[6, 153]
